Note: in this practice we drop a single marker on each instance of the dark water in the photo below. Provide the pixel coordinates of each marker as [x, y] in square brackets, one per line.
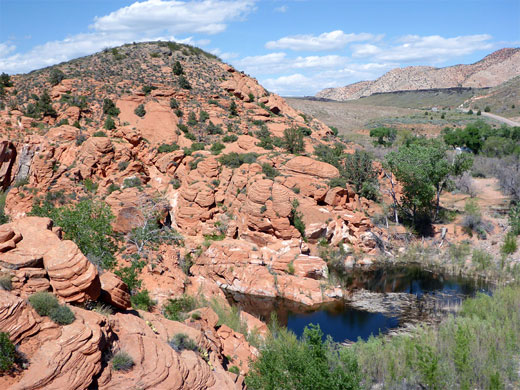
[343, 322]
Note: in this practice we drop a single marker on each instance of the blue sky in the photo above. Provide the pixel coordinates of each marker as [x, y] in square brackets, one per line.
[293, 47]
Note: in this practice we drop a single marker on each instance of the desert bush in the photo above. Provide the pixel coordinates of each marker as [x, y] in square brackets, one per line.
[148, 88]
[293, 140]
[183, 82]
[99, 134]
[507, 171]
[229, 138]
[7, 352]
[181, 342]
[142, 301]
[234, 369]
[122, 361]
[233, 109]
[296, 218]
[109, 108]
[269, 171]
[472, 222]
[43, 303]
[203, 116]
[514, 219]
[62, 315]
[140, 111]
[176, 309]
[177, 68]
[481, 259]
[358, 170]
[214, 129]
[235, 160]
[216, 148]
[385, 136]
[56, 76]
[168, 148]
[465, 185]
[109, 123]
[131, 182]
[130, 275]
[5, 282]
[87, 223]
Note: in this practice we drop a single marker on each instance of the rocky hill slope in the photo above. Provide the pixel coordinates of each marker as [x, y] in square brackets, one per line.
[491, 71]
[188, 154]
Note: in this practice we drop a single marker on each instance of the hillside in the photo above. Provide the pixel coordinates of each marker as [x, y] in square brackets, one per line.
[491, 71]
[188, 156]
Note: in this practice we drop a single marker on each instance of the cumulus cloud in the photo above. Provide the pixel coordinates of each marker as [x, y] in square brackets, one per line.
[432, 49]
[142, 21]
[327, 41]
[208, 16]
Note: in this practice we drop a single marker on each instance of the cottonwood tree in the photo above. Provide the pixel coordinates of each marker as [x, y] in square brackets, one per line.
[424, 171]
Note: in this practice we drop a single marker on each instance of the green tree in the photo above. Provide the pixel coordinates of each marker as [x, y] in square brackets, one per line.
[177, 68]
[184, 83]
[385, 135]
[7, 352]
[293, 140]
[5, 80]
[359, 171]
[424, 171]
[233, 109]
[44, 105]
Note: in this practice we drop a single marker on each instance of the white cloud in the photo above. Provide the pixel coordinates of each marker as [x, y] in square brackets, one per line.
[6, 48]
[431, 49]
[279, 62]
[176, 17]
[282, 9]
[142, 21]
[327, 41]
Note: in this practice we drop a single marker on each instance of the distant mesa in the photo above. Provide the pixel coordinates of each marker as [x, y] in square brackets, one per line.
[492, 70]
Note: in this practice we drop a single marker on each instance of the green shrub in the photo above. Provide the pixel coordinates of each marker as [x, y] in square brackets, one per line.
[56, 76]
[140, 111]
[130, 275]
[176, 309]
[168, 148]
[62, 315]
[285, 362]
[203, 116]
[148, 88]
[216, 148]
[514, 219]
[293, 140]
[177, 68]
[233, 109]
[481, 259]
[122, 361]
[109, 108]
[487, 109]
[131, 182]
[109, 123]
[296, 218]
[87, 223]
[234, 369]
[510, 244]
[142, 301]
[181, 342]
[174, 104]
[192, 119]
[184, 83]
[7, 352]
[5, 282]
[123, 165]
[235, 160]
[99, 134]
[44, 303]
[229, 138]
[214, 129]
[269, 171]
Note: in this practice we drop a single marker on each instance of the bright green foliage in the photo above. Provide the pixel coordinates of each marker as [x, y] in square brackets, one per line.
[510, 244]
[130, 275]
[109, 108]
[142, 301]
[87, 223]
[7, 352]
[293, 140]
[385, 136]
[216, 148]
[330, 155]
[424, 172]
[140, 111]
[122, 361]
[286, 363]
[472, 136]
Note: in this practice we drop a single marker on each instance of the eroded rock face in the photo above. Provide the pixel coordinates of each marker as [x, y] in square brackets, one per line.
[114, 291]
[309, 166]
